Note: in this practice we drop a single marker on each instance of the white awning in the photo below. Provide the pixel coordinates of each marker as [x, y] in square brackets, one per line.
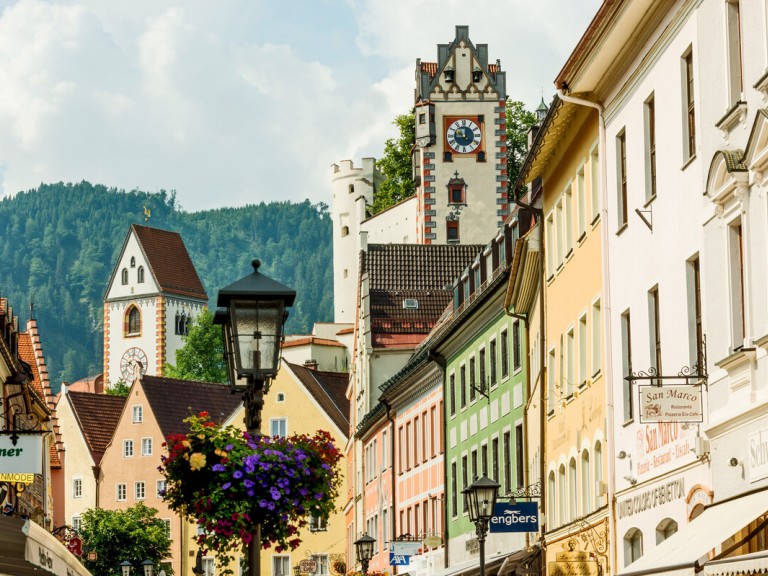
[473, 566]
[756, 563]
[686, 550]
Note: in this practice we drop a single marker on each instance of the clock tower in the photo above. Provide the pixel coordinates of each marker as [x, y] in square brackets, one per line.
[152, 298]
[460, 138]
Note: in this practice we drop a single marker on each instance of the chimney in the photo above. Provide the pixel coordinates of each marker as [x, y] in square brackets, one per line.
[311, 364]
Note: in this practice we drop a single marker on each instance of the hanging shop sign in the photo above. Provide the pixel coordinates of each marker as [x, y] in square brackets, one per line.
[22, 456]
[308, 566]
[575, 567]
[406, 547]
[670, 404]
[519, 517]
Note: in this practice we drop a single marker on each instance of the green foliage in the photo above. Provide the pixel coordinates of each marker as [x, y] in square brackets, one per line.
[202, 356]
[135, 534]
[397, 166]
[519, 120]
[59, 243]
[119, 388]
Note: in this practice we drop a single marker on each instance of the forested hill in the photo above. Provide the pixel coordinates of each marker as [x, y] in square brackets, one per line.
[59, 243]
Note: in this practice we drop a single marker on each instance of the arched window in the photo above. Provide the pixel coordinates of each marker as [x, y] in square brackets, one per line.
[586, 486]
[141, 274]
[133, 262]
[665, 529]
[124, 276]
[133, 321]
[633, 546]
[551, 499]
[177, 329]
[561, 495]
[598, 470]
[573, 494]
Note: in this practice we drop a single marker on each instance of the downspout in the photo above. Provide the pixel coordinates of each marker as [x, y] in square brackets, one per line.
[606, 303]
[392, 468]
[539, 212]
[440, 361]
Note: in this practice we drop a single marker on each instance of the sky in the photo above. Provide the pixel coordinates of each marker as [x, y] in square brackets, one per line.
[235, 102]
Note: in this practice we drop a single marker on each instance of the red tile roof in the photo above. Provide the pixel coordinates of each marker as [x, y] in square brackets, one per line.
[329, 390]
[169, 261]
[97, 415]
[399, 272]
[171, 401]
[430, 68]
[312, 340]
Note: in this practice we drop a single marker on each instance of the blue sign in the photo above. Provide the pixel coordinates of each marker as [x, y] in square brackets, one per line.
[520, 517]
[399, 559]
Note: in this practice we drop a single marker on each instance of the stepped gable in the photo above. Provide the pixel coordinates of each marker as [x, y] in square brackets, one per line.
[169, 261]
[420, 272]
[173, 400]
[329, 389]
[98, 416]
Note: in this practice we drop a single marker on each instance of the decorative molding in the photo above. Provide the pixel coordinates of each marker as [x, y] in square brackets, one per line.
[732, 118]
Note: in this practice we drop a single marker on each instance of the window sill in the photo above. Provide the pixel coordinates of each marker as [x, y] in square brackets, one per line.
[569, 254]
[735, 115]
[649, 201]
[628, 422]
[596, 375]
[622, 228]
[581, 238]
[688, 161]
[595, 220]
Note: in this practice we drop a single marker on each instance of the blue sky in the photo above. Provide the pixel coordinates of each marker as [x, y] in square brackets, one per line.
[232, 102]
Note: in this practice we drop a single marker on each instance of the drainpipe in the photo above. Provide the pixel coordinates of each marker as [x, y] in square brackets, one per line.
[607, 310]
[542, 389]
[392, 468]
[440, 361]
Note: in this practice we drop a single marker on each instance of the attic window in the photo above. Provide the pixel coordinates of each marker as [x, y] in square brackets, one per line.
[133, 262]
[477, 74]
[410, 304]
[281, 397]
[124, 276]
[141, 274]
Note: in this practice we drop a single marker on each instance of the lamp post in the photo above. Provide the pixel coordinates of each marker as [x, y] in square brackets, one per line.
[480, 497]
[297, 570]
[364, 551]
[252, 312]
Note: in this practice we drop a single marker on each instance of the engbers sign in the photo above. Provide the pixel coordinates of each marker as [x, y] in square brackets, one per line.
[670, 404]
[24, 457]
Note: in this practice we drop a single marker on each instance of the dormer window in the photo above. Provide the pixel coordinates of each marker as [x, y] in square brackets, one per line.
[133, 262]
[457, 190]
[449, 74]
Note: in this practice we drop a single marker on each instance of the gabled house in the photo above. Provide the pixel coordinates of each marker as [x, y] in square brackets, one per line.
[87, 421]
[152, 297]
[156, 407]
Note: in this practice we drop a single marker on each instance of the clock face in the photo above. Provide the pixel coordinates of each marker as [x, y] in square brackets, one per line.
[464, 136]
[133, 364]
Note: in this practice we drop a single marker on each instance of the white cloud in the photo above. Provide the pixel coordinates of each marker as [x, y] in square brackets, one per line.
[238, 101]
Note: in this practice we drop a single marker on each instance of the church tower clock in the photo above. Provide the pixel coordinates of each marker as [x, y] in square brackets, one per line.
[460, 132]
[152, 298]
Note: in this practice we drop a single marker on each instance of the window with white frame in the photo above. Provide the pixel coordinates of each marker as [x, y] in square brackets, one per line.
[551, 511]
[581, 203]
[160, 488]
[586, 484]
[384, 449]
[665, 529]
[597, 338]
[505, 352]
[139, 490]
[733, 47]
[317, 524]
[127, 448]
[626, 361]
[689, 106]
[281, 566]
[561, 496]
[121, 492]
[77, 488]
[621, 178]
[568, 224]
[551, 382]
[209, 566]
[138, 414]
[573, 490]
[649, 117]
[322, 564]
[695, 324]
[594, 183]
[736, 285]
[550, 244]
[559, 234]
[583, 344]
[167, 523]
[492, 358]
[76, 523]
[146, 446]
[570, 362]
[654, 316]
[278, 427]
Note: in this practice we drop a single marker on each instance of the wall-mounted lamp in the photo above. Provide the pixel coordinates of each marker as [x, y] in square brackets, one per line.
[631, 479]
[621, 455]
[733, 462]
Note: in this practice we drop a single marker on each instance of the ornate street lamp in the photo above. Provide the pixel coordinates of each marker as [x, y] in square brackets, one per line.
[297, 570]
[149, 567]
[252, 312]
[364, 551]
[125, 568]
[480, 498]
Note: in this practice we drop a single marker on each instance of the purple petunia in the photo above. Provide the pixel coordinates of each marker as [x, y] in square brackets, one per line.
[226, 485]
[275, 493]
[237, 474]
[219, 467]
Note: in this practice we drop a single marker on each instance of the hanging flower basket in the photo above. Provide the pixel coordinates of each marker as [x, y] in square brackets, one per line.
[228, 482]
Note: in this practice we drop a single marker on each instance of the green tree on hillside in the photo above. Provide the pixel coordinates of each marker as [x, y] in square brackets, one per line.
[135, 534]
[202, 356]
[396, 165]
